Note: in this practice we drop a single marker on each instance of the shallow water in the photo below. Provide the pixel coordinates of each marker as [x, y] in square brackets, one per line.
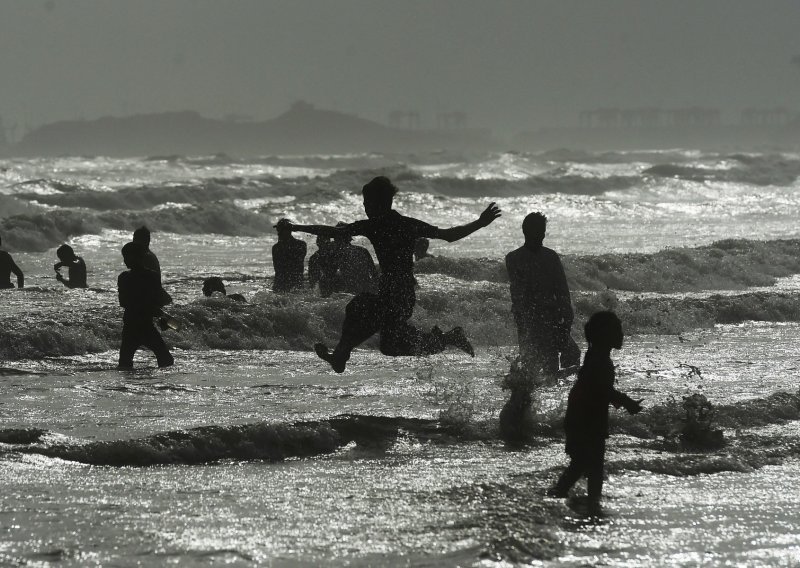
[250, 451]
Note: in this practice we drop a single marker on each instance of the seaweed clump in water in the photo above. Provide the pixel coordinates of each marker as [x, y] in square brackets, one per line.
[688, 425]
[698, 431]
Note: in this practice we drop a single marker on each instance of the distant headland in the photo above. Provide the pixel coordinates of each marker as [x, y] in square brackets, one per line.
[303, 129]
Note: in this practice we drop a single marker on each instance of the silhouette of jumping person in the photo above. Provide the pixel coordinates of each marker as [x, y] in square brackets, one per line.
[393, 236]
[142, 297]
[356, 269]
[323, 267]
[76, 267]
[586, 421]
[540, 300]
[215, 284]
[142, 236]
[288, 255]
[7, 267]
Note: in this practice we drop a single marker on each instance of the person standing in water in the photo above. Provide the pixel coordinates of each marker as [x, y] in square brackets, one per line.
[76, 267]
[586, 421]
[7, 267]
[288, 255]
[322, 268]
[142, 297]
[540, 300]
[214, 284]
[393, 236]
[356, 269]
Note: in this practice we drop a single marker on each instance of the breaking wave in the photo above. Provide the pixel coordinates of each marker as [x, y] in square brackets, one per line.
[739, 168]
[10, 205]
[723, 265]
[41, 231]
[299, 321]
[261, 441]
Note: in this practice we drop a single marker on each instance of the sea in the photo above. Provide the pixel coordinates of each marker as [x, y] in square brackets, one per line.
[250, 451]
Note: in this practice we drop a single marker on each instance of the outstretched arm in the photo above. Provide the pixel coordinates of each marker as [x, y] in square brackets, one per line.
[457, 233]
[324, 230]
[621, 399]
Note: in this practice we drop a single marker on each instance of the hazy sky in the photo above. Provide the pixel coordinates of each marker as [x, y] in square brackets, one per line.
[509, 64]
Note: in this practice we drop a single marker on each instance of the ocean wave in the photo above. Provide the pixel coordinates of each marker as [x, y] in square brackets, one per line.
[298, 321]
[621, 157]
[723, 265]
[761, 170]
[666, 420]
[261, 441]
[10, 206]
[150, 196]
[21, 435]
[42, 231]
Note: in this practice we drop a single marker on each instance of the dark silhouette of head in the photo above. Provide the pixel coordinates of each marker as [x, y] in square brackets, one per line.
[378, 195]
[133, 254]
[534, 227]
[604, 330]
[65, 253]
[213, 284]
[421, 248]
[283, 226]
[142, 235]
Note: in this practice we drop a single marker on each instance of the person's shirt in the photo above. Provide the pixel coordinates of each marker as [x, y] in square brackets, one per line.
[357, 270]
[586, 420]
[323, 269]
[393, 237]
[7, 266]
[288, 257]
[314, 268]
[151, 262]
[76, 271]
[539, 291]
[141, 295]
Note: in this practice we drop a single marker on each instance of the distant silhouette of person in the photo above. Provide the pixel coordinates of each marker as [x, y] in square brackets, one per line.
[142, 236]
[7, 267]
[215, 284]
[393, 236]
[142, 296]
[323, 268]
[288, 256]
[586, 421]
[356, 269]
[76, 267]
[421, 249]
[540, 300]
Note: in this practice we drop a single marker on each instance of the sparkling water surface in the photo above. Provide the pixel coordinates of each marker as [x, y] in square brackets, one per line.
[413, 499]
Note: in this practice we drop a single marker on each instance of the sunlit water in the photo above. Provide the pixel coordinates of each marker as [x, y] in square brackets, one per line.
[79, 484]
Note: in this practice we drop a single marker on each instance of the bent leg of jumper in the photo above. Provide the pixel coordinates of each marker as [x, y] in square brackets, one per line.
[362, 319]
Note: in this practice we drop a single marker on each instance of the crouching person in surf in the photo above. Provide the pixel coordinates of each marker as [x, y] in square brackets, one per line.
[142, 296]
[393, 236]
[586, 421]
